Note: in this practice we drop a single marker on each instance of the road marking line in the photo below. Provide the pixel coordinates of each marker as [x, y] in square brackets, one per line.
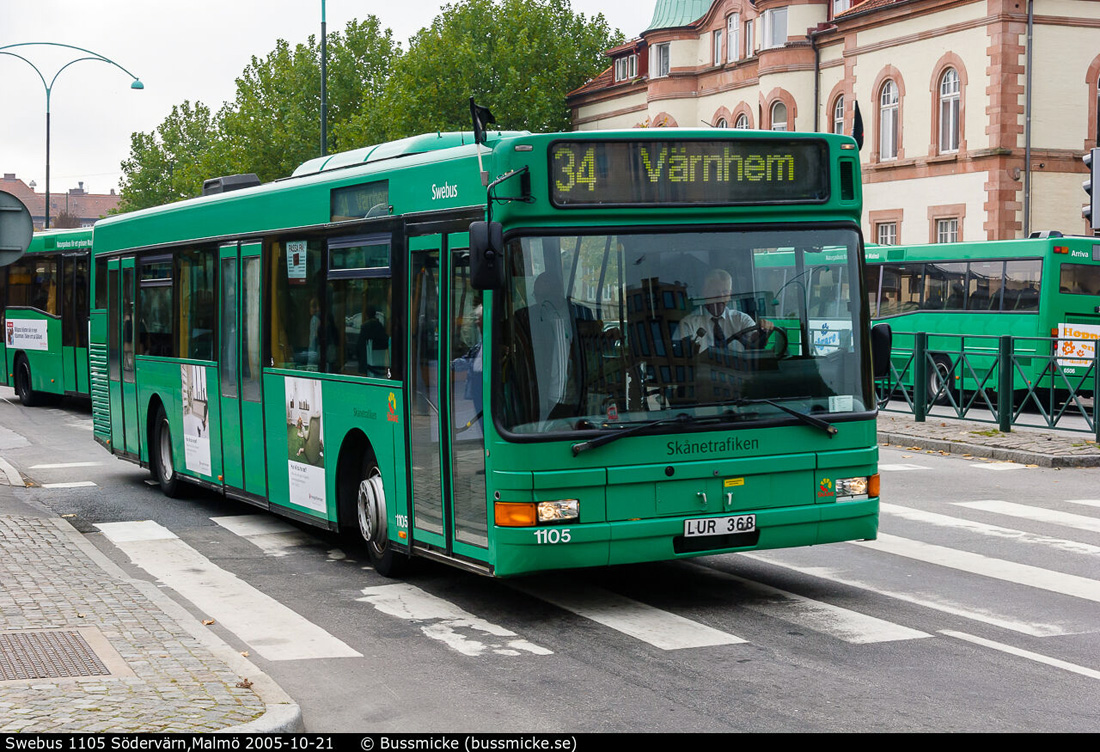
[1023, 653]
[274, 631]
[923, 600]
[59, 465]
[11, 474]
[1085, 502]
[271, 535]
[902, 466]
[986, 566]
[1035, 514]
[1021, 536]
[842, 623]
[661, 629]
[446, 622]
[71, 484]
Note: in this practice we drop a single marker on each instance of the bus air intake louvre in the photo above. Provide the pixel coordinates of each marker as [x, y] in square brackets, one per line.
[47, 655]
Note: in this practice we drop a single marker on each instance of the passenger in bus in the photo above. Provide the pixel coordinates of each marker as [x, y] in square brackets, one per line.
[373, 347]
[714, 324]
[314, 352]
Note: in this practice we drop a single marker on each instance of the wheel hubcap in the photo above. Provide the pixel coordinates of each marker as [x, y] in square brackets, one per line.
[371, 507]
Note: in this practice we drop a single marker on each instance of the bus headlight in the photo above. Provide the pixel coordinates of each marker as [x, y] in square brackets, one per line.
[559, 511]
[857, 488]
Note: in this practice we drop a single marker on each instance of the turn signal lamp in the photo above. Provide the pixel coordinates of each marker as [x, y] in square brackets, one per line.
[528, 514]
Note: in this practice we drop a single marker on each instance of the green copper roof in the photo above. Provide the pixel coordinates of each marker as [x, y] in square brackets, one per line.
[672, 14]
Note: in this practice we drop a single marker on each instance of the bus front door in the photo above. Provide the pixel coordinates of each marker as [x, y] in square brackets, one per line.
[241, 329]
[446, 449]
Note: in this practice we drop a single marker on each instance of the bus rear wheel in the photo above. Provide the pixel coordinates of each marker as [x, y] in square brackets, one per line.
[27, 395]
[373, 521]
[940, 385]
[160, 457]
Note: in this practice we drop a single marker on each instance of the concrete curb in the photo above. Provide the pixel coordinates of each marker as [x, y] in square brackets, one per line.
[282, 714]
[1005, 454]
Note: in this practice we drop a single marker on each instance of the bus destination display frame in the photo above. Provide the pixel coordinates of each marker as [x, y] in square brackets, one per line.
[589, 173]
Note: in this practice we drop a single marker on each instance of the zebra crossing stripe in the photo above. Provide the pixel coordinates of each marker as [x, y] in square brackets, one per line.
[1035, 514]
[271, 629]
[1009, 571]
[1023, 653]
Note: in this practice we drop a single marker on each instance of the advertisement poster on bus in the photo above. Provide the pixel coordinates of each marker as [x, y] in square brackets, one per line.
[305, 443]
[27, 334]
[1079, 342]
[196, 419]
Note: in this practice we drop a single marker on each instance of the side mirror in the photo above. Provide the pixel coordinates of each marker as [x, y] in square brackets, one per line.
[882, 342]
[486, 255]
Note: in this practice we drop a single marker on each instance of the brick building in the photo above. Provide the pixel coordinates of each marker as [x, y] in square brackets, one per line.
[956, 148]
[84, 208]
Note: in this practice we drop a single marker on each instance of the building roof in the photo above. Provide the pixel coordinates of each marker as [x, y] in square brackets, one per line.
[673, 14]
[85, 207]
[866, 6]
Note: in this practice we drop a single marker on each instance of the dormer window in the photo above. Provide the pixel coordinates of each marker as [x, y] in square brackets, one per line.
[775, 28]
[626, 68]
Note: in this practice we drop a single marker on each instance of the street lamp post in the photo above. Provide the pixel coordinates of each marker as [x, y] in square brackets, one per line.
[87, 55]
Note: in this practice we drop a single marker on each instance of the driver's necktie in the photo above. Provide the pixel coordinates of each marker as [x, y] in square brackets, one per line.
[719, 335]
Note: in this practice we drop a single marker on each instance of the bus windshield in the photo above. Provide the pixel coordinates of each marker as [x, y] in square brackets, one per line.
[602, 330]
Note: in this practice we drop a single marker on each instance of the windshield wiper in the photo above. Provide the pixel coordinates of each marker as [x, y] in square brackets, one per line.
[607, 438]
[806, 418]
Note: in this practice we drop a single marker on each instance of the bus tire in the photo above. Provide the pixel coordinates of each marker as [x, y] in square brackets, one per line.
[27, 395]
[940, 373]
[373, 521]
[161, 463]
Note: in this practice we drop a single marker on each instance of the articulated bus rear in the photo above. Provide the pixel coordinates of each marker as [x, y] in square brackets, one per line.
[45, 298]
[1043, 291]
[656, 347]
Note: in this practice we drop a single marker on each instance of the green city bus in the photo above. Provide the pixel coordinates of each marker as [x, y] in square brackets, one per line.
[45, 301]
[485, 354]
[1042, 291]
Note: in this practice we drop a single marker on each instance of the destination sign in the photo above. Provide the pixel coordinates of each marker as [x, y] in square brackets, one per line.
[698, 172]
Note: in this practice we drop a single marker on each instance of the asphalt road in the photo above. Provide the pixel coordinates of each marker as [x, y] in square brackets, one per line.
[976, 610]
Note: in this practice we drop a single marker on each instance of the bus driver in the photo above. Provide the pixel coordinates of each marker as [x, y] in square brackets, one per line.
[715, 324]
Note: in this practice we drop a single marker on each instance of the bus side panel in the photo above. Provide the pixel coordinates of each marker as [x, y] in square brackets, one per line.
[365, 407]
[297, 463]
[157, 379]
[45, 363]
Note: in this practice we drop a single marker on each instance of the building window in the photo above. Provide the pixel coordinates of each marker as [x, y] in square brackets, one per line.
[775, 28]
[779, 117]
[718, 47]
[626, 68]
[721, 123]
[886, 233]
[839, 6]
[888, 121]
[659, 60]
[733, 30]
[947, 230]
[949, 111]
[838, 115]
[742, 122]
[750, 40]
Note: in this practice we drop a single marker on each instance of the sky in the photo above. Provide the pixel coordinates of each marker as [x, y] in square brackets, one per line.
[191, 50]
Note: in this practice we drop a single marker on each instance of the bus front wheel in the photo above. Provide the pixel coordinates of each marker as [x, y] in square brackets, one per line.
[160, 457]
[27, 395]
[373, 519]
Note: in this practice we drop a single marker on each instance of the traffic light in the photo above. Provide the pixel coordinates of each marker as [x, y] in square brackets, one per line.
[1091, 210]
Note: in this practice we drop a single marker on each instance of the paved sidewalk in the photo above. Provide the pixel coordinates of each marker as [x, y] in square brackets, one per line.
[106, 652]
[1031, 446]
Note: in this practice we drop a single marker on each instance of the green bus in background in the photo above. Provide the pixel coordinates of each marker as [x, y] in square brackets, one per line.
[581, 364]
[45, 299]
[1044, 291]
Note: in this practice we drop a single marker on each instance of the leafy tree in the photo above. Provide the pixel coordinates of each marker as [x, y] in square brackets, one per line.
[169, 163]
[518, 57]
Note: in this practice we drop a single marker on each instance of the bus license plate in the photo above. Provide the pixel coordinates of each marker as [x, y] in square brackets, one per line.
[742, 523]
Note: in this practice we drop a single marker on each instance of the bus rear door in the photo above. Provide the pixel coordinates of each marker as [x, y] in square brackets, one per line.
[243, 461]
